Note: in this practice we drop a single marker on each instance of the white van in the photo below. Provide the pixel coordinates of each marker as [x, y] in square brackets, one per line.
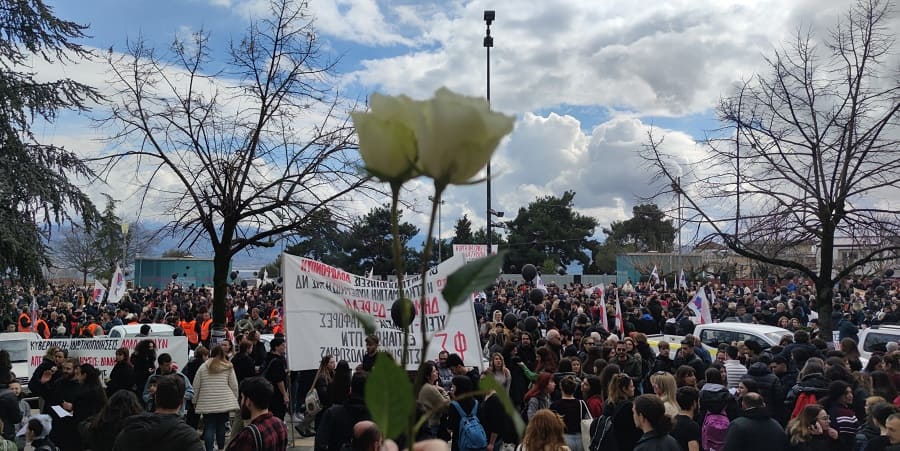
[133, 330]
[17, 344]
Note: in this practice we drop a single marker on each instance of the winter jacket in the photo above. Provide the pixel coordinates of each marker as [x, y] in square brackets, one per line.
[215, 388]
[626, 433]
[754, 431]
[120, 378]
[336, 427]
[814, 383]
[657, 441]
[631, 366]
[769, 387]
[10, 415]
[153, 431]
[715, 398]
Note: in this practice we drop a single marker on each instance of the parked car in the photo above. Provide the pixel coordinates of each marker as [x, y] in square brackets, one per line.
[712, 335]
[876, 338]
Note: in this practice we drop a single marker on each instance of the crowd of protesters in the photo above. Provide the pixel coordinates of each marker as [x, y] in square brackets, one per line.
[573, 381]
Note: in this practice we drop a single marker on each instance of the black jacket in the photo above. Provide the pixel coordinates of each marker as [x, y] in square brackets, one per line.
[336, 426]
[35, 385]
[715, 398]
[626, 433]
[769, 387]
[152, 431]
[811, 383]
[755, 430]
[243, 366]
[657, 441]
[10, 415]
[120, 378]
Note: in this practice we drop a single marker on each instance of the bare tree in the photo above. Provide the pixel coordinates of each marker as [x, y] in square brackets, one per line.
[76, 251]
[814, 145]
[258, 143]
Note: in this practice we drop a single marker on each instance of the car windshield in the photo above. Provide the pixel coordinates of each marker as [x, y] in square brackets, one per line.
[18, 350]
[877, 341]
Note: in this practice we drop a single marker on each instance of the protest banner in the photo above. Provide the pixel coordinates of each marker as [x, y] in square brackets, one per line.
[316, 326]
[473, 251]
[101, 352]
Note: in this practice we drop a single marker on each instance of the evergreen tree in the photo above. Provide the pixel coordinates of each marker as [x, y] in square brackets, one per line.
[37, 181]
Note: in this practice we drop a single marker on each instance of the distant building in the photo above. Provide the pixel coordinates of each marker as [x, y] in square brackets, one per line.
[160, 272]
[640, 264]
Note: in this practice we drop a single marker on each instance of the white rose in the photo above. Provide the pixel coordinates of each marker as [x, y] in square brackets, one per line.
[457, 135]
[387, 142]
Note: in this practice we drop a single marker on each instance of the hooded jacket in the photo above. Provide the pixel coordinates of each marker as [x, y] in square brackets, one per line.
[215, 388]
[152, 431]
[716, 398]
[10, 415]
[755, 430]
[814, 383]
[769, 386]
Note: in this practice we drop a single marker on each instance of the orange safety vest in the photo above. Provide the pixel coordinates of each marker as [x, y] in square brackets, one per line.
[92, 329]
[190, 331]
[204, 329]
[278, 329]
[24, 323]
[46, 328]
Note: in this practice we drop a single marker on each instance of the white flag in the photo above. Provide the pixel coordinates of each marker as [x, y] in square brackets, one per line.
[116, 286]
[539, 284]
[700, 306]
[654, 275]
[603, 319]
[665, 285]
[620, 320]
[99, 291]
[682, 280]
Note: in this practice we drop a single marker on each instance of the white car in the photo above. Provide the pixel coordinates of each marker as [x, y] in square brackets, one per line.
[875, 338]
[712, 335]
[133, 330]
[17, 344]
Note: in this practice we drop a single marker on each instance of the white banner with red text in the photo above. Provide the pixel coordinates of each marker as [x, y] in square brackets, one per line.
[316, 327]
[101, 352]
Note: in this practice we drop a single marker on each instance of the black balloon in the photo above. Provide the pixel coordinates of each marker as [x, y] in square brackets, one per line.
[531, 324]
[876, 281]
[529, 272]
[403, 312]
[234, 275]
[510, 320]
[243, 284]
[561, 271]
[536, 296]
[174, 275]
[512, 268]
[889, 272]
[879, 290]
[784, 291]
[789, 276]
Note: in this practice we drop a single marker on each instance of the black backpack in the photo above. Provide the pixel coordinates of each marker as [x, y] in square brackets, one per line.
[603, 437]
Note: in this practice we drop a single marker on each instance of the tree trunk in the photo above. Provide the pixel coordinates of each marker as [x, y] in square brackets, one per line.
[221, 263]
[825, 284]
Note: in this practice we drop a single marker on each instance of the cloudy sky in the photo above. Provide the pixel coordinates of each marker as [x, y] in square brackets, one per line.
[586, 78]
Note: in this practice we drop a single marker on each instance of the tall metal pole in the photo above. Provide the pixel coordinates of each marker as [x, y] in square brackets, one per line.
[488, 43]
[440, 241]
[678, 182]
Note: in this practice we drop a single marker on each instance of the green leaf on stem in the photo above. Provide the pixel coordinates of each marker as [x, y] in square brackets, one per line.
[488, 383]
[389, 397]
[473, 276]
[365, 319]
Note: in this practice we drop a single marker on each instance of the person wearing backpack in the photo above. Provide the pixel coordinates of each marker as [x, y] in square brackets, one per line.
[650, 416]
[467, 433]
[811, 386]
[615, 429]
[717, 409]
[756, 430]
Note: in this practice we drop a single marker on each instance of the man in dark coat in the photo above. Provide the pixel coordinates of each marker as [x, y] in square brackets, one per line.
[164, 428]
[336, 428]
[756, 429]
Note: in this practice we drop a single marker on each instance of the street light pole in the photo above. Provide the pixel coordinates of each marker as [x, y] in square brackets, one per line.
[488, 43]
[440, 242]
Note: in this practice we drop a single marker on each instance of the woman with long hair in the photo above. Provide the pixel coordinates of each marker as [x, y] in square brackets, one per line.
[339, 387]
[432, 398]
[882, 385]
[545, 432]
[539, 396]
[122, 375]
[592, 393]
[102, 429]
[839, 406]
[497, 368]
[812, 431]
[651, 418]
[606, 376]
[215, 396]
[619, 406]
[665, 387]
[143, 360]
[875, 363]
[869, 429]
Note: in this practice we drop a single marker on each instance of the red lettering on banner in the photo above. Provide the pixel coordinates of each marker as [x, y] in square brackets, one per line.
[443, 337]
[460, 344]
